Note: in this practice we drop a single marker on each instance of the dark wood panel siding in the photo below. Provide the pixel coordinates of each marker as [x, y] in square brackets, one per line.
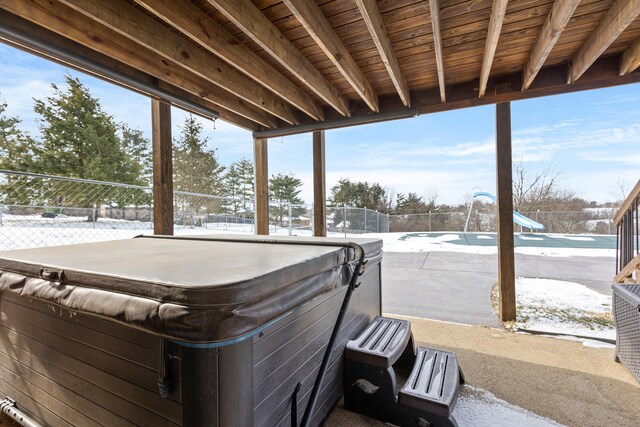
[291, 350]
[66, 368]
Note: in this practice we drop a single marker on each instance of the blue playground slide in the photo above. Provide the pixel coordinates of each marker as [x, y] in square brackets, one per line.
[518, 218]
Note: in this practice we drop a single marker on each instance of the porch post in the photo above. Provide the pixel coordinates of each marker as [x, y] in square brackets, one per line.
[262, 186]
[162, 168]
[506, 260]
[319, 186]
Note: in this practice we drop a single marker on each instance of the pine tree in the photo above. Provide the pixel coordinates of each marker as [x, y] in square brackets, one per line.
[196, 168]
[284, 190]
[16, 153]
[239, 185]
[80, 140]
[360, 195]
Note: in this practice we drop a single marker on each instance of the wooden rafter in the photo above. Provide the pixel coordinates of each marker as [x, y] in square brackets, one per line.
[195, 24]
[434, 7]
[498, 12]
[558, 17]
[42, 36]
[141, 28]
[246, 16]
[84, 31]
[630, 60]
[550, 81]
[371, 14]
[310, 16]
[618, 17]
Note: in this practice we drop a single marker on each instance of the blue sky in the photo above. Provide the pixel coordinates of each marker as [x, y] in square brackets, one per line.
[592, 137]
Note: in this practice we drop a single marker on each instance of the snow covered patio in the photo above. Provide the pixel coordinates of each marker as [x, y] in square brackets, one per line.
[545, 381]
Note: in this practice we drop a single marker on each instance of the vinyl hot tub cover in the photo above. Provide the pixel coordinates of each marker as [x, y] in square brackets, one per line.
[189, 289]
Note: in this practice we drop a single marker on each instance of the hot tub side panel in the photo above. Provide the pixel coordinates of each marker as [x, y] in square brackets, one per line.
[291, 350]
[68, 369]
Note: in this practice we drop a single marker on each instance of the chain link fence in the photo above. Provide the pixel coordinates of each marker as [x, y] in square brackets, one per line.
[591, 220]
[351, 220]
[42, 210]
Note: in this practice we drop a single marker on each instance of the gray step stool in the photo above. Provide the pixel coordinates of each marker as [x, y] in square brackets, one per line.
[382, 359]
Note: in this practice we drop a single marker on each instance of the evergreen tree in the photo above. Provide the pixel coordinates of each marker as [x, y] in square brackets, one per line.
[360, 195]
[137, 151]
[284, 190]
[16, 153]
[410, 204]
[196, 168]
[79, 139]
[239, 184]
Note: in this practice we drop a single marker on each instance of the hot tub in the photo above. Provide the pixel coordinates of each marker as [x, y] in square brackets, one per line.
[194, 331]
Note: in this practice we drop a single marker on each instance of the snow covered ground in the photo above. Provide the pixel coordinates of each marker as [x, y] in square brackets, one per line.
[563, 307]
[478, 407]
[415, 242]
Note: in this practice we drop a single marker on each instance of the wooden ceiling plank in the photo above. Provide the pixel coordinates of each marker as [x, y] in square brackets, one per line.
[630, 58]
[498, 13]
[556, 21]
[375, 25]
[120, 16]
[618, 17]
[246, 16]
[319, 28]
[86, 32]
[199, 27]
[434, 6]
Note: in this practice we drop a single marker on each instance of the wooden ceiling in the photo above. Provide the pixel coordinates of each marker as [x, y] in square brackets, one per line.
[280, 67]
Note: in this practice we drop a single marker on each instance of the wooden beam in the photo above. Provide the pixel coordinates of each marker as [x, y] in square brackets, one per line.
[78, 28]
[628, 270]
[262, 186]
[630, 60]
[557, 20]
[319, 186]
[246, 16]
[498, 13]
[202, 29]
[313, 20]
[506, 259]
[434, 6]
[53, 47]
[372, 18]
[162, 168]
[550, 81]
[618, 17]
[142, 29]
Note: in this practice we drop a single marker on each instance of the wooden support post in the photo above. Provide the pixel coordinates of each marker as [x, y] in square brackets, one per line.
[506, 260]
[162, 168]
[262, 186]
[319, 186]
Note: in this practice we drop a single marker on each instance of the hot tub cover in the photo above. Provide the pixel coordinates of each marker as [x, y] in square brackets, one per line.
[198, 289]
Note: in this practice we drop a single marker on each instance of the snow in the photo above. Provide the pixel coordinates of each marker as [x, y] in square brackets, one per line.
[425, 242]
[574, 238]
[523, 237]
[479, 407]
[585, 342]
[562, 307]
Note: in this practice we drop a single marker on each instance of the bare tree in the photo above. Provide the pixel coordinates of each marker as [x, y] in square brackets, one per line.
[533, 189]
[560, 208]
